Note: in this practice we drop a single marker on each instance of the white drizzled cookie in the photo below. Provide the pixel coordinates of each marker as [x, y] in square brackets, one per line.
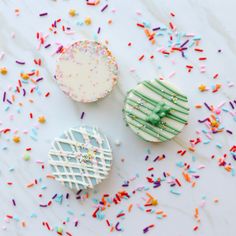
[156, 110]
[86, 71]
[80, 158]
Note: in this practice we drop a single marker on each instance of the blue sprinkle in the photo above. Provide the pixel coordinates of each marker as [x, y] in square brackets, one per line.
[175, 192]
[206, 141]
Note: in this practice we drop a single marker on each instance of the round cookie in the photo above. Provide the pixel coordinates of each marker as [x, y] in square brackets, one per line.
[156, 110]
[80, 158]
[86, 71]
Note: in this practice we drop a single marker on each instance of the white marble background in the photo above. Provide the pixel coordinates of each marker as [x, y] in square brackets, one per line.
[213, 20]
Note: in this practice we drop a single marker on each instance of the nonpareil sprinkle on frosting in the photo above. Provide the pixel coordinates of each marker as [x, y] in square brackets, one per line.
[86, 71]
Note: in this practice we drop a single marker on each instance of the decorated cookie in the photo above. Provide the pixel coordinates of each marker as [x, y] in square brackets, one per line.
[156, 110]
[86, 71]
[80, 158]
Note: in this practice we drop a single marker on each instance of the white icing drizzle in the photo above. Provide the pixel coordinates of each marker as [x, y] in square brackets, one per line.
[89, 163]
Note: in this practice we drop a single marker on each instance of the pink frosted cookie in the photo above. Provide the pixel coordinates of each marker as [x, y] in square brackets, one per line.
[86, 71]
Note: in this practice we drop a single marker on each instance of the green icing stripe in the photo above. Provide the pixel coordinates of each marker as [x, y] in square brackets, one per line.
[144, 122]
[149, 86]
[159, 110]
[134, 104]
[172, 90]
[153, 102]
[160, 90]
[146, 128]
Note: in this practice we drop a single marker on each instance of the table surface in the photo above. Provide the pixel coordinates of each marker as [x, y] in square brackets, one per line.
[214, 190]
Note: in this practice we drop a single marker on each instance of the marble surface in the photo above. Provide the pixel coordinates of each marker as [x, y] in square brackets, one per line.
[212, 20]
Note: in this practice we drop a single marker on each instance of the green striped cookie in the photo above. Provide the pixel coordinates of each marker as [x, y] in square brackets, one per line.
[156, 110]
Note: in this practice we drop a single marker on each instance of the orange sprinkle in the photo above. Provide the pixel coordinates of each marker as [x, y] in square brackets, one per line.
[23, 223]
[186, 177]
[198, 106]
[159, 212]
[191, 149]
[50, 176]
[130, 207]
[164, 215]
[30, 185]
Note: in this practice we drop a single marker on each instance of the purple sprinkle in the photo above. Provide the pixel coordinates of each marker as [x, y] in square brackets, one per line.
[76, 223]
[146, 158]
[54, 196]
[79, 197]
[13, 201]
[24, 92]
[230, 132]
[4, 97]
[79, 192]
[232, 105]
[47, 46]
[41, 205]
[206, 105]
[117, 224]
[145, 230]
[184, 43]
[20, 62]
[39, 79]
[67, 195]
[9, 101]
[125, 185]
[59, 49]
[196, 176]
[82, 115]
[99, 29]
[156, 159]
[164, 174]
[43, 14]
[202, 121]
[155, 29]
[104, 8]
[157, 184]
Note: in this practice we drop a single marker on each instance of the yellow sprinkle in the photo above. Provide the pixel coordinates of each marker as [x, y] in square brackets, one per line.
[24, 76]
[41, 119]
[3, 70]
[88, 21]
[72, 12]
[154, 202]
[16, 139]
[202, 87]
